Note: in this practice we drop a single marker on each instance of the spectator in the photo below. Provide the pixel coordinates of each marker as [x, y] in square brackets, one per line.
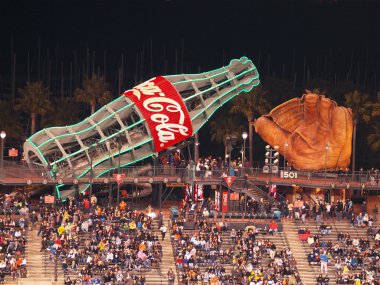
[273, 227]
[171, 276]
[163, 230]
[324, 261]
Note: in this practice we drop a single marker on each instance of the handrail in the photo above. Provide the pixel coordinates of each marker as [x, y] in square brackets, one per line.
[305, 250]
[262, 192]
[249, 170]
[281, 198]
[55, 268]
[358, 180]
[310, 197]
[45, 263]
[238, 186]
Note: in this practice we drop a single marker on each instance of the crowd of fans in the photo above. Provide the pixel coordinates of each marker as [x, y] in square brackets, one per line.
[354, 260]
[13, 238]
[204, 254]
[205, 167]
[322, 211]
[108, 244]
[115, 245]
[209, 166]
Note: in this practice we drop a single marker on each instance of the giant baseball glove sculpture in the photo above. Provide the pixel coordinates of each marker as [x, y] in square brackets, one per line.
[312, 132]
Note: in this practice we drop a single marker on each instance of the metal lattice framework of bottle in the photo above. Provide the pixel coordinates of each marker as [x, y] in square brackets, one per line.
[145, 120]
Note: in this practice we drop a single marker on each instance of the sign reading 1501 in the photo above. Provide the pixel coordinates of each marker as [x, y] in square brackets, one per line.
[288, 174]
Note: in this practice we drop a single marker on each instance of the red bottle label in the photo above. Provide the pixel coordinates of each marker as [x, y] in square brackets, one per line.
[164, 111]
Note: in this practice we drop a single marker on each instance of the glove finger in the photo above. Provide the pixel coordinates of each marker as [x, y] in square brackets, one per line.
[341, 130]
[288, 115]
[325, 107]
[271, 132]
[310, 102]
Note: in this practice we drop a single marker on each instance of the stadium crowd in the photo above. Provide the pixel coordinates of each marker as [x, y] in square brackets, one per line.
[207, 255]
[107, 244]
[353, 259]
[13, 241]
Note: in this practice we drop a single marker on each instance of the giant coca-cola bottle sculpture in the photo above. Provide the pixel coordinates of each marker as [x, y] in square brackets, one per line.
[147, 119]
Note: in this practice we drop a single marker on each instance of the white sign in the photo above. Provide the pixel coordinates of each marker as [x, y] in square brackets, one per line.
[288, 174]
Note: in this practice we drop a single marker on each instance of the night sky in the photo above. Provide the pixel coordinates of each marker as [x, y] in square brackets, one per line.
[175, 36]
[209, 32]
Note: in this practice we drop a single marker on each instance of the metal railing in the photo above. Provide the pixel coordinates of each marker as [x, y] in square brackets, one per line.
[358, 179]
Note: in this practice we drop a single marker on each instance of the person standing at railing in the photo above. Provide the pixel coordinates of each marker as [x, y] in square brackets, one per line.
[346, 174]
[93, 200]
[182, 166]
[375, 212]
[241, 203]
[364, 208]
[303, 214]
[318, 214]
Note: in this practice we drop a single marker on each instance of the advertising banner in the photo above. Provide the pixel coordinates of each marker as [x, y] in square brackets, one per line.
[13, 152]
[119, 177]
[229, 180]
[49, 199]
[234, 196]
[164, 111]
[224, 202]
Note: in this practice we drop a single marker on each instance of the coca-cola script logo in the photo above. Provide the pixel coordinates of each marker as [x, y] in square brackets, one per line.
[164, 111]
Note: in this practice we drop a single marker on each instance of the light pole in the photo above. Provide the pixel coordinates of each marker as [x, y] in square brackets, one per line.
[285, 146]
[91, 150]
[196, 149]
[119, 146]
[327, 149]
[271, 161]
[228, 151]
[227, 163]
[244, 136]
[2, 135]
[110, 186]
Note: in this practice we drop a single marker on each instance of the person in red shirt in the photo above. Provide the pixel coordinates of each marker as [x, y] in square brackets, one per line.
[86, 204]
[273, 227]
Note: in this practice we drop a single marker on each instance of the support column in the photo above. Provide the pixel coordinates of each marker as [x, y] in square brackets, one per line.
[220, 196]
[160, 196]
[196, 149]
[155, 195]
[228, 199]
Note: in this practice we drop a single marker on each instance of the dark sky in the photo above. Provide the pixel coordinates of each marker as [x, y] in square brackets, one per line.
[208, 33]
[211, 32]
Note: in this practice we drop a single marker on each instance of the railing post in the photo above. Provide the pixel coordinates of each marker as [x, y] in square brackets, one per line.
[45, 262]
[55, 268]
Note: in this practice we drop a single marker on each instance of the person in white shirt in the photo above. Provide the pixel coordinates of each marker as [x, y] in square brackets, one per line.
[84, 226]
[163, 230]
[3, 264]
[119, 276]
[23, 263]
[17, 233]
[94, 200]
[109, 257]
